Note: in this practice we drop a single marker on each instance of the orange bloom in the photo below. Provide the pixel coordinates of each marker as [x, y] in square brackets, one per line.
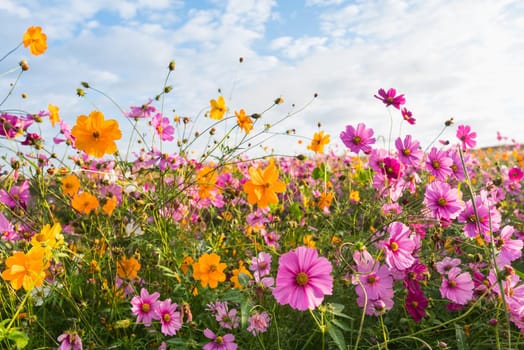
[309, 241]
[84, 203]
[188, 261]
[218, 108]
[26, 270]
[244, 121]
[206, 180]
[36, 40]
[53, 114]
[96, 136]
[109, 205]
[209, 270]
[325, 200]
[263, 186]
[236, 272]
[48, 238]
[70, 185]
[318, 142]
[128, 268]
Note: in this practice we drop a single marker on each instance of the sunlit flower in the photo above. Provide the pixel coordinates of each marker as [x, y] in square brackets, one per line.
[399, 246]
[263, 186]
[128, 268]
[408, 116]
[162, 127]
[84, 203]
[209, 270]
[515, 174]
[358, 139]
[50, 237]
[439, 164]
[318, 142]
[35, 39]
[244, 121]
[95, 135]
[457, 286]
[26, 270]
[303, 279]
[109, 205]
[409, 151]
[70, 185]
[443, 201]
[390, 98]
[218, 108]
[206, 181]
[53, 114]
[224, 342]
[169, 318]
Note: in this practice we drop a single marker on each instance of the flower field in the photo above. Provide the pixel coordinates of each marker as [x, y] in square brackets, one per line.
[373, 248]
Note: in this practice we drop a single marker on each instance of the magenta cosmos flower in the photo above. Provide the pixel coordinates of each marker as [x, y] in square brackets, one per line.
[515, 174]
[162, 127]
[409, 151]
[408, 116]
[303, 278]
[224, 342]
[442, 200]
[457, 286]
[358, 139]
[389, 98]
[169, 318]
[439, 164]
[70, 341]
[466, 136]
[144, 306]
[399, 247]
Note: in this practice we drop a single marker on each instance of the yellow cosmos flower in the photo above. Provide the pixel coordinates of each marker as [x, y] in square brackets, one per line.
[95, 135]
[70, 185]
[128, 268]
[263, 186]
[241, 269]
[318, 142]
[35, 39]
[309, 241]
[53, 114]
[26, 270]
[218, 108]
[244, 121]
[209, 270]
[48, 238]
[84, 203]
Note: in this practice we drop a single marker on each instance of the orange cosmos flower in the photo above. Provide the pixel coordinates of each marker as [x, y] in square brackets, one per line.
[209, 270]
[95, 135]
[84, 203]
[53, 114]
[236, 272]
[244, 122]
[48, 238]
[263, 186]
[70, 185]
[128, 268]
[325, 200]
[36, 40]
[206, 180]
[26, 270]
[318, 142]
[218, 108]
[109, 205]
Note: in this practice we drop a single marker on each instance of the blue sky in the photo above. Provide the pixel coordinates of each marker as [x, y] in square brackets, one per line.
[462, 59]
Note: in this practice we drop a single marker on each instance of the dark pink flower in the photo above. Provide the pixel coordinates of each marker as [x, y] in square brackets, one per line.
[416, 304]
[69, 341]
[515, 174]
[162, 127]
[303, 279]
[224, 342]
[457, 286]
[466, 136]
[389, 98]
[399, 246]
[169, 318]
[358, 139]
[144, 306]
[409, 151]
[439, 164]
[442, 200]
[408, 116]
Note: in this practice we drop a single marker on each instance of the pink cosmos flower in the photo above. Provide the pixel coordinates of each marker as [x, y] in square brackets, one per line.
[488, 217]
[392, 168]
[515, 174]
[439, 164]
[447, 264]
[408, 116]
[169, 318]
[144, 306]
[467, 137]
[442, 200]
[375, 280]
[70, 341]
[17, 195]
[358, 139]
[261, 264]
[303, 278]
[399, 247]
[224, 342]
[457, 286]
[389, 98]
[143, 111]
[409, 151]
[508, 249]
[162, 127]
[416, 304]
[228, 319]
[258, 323]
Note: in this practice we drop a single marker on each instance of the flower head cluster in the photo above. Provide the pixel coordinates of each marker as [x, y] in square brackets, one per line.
[147, 308]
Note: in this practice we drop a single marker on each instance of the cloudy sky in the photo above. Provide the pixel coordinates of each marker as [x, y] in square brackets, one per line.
[462, 59]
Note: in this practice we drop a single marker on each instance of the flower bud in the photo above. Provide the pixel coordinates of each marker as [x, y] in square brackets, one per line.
[171, 65]
[85, 84]
[24, 65]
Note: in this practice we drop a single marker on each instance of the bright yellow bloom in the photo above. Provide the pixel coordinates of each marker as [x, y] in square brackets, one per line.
[95, 135]
[48, 238]
[218, 108]
[241, 269]
[263, 186]
[128, 268]
[206, 180]
[85, 203]
[354, 196]
[53, 114]
[26, 270]
[244, 121]
[318, 142]
[309, 241]
[36, 40]
[209, 270]
[70, 185]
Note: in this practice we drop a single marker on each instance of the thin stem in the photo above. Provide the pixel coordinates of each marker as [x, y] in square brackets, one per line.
[10, 52]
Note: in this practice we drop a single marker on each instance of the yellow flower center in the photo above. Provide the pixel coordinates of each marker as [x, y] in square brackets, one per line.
[442, 202]
[301, 278]
[357, 140]
[406, 151]
[372, 279]
[414, 303]
[146, 307]
[452, 283]
[435, 164]
[166, 317]
[393, 246]
[219, 340]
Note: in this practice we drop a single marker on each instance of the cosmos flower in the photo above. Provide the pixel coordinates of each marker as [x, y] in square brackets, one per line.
[224, 342]
[69, 341]
[53, 114]
[209, 270]
[244, 122]
[162, 127]
[96, 136]
[399, 246]
[466, 136]
[390, 98]
[258, 323]
[169, 318]
[358, 139]
[457, 286]
[218, 108]
[263, 186]
[442, 200]
[144, 306]
[26, 270]
[35, 39]
[318, 142]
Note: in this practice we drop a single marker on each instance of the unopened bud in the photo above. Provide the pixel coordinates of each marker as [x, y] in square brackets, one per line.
[279, 100]
[167, 89]
[80, 92]
[85, 84]
[171, 65]
[255, 115]
[241, 59]
[24, 65]
[449, 122]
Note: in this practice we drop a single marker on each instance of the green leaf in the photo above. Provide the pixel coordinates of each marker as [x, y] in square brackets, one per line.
[20, 338]
[461, 338]
[337, 336]
[336, 309]
[341, 325]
